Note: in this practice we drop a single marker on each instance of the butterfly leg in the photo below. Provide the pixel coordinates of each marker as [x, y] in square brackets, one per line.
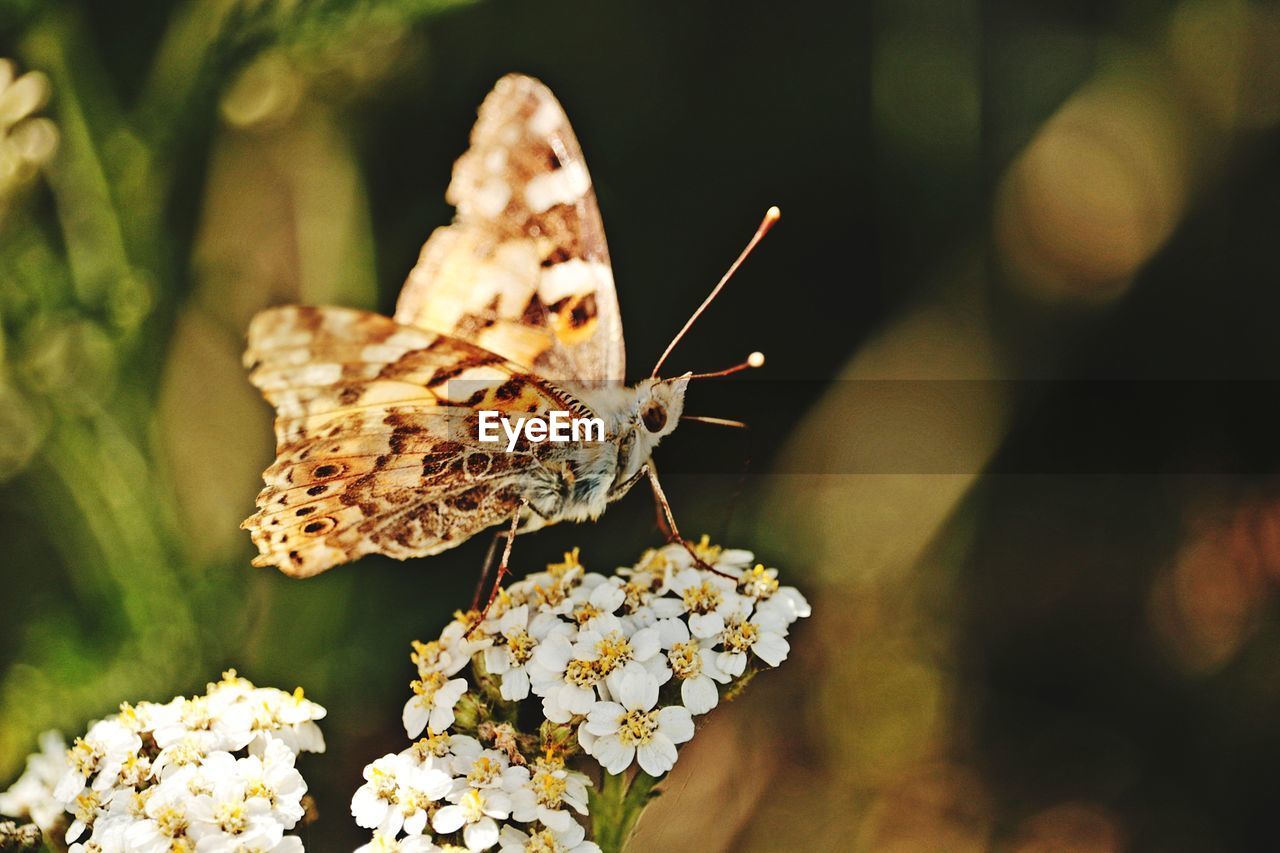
[673, 532]
[503, 571]
[490, 559]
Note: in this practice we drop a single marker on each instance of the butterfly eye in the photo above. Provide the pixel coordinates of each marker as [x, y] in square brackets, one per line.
[654, 417]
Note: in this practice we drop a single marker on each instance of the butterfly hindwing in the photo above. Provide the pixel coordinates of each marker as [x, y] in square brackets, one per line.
[376, 438]
[524, 269]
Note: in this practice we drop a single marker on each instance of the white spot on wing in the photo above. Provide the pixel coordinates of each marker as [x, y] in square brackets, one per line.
[563, 186]
[496, 160]
[574, 277]
[319, 374]
[492, 197]
[460, 388]
[409, 339]
[545, 119]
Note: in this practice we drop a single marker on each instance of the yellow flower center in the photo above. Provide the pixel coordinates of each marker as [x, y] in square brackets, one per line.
[485, 771]
[739, 636]
[129, 716]
[584, 613]
[551, 596]
[472, 804]
[702, 598]
[86, 807]
[614, 651]
[258, 788]
[425, 655]
[706, 551]
[686, 659]
[432, 744]
[757, 583]
[184, 752]
[581, 673]
[231, 819]
[418, 801]
[138, 804]
[170, 821]
[571, 561]
[637, 727]
[521, 646]
[384, 785]
[543, 841]
[548, 788]
[195, 714]
[84, 757]
[637, 592]
[427, 686]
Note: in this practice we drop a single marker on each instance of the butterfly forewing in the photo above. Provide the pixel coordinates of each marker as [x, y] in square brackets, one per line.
[524, 270]
[377, 447]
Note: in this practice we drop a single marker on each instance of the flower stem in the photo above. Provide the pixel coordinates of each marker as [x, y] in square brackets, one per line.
[617, 805]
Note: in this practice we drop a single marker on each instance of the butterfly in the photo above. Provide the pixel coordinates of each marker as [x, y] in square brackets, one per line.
[511, 308]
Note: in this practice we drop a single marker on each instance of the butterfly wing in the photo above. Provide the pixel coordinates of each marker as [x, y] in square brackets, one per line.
[524, 270]
[377, 447]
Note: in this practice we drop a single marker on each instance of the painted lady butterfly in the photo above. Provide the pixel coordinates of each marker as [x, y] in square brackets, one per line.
[510, 308]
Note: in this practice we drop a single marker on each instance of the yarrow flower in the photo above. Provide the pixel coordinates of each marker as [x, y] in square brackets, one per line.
[210, 773]
[27, 141]
[610, 668]
[31, 797]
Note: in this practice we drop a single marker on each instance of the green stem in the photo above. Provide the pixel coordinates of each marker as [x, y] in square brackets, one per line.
[617, 805]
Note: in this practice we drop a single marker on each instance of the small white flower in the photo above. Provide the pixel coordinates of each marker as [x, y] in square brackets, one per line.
[516, 641]
[703, 596]
[694, 664]
[271, 774]
[100, 754]
[397, 793]
[432, 703]
[549, 789]
[164, 813]
[633, 729]
[489, 769]
[570, 677]
[594, 597]
[570, 839]
[444, 751]
[26, 141]
[476, 812]
[31, 796]
[449, 654]
[787, 604]
[761, 634]
[564, 675]
[228, 819]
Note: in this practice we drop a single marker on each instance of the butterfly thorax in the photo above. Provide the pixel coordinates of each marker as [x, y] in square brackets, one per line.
[636, 419]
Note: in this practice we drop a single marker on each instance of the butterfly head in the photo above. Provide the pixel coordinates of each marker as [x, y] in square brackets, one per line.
[659, 406]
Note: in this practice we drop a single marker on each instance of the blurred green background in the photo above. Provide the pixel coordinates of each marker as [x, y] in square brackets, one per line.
[1045, 617]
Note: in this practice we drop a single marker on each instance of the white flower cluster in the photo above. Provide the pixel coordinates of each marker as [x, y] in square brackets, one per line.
[31, 797]
[214, 774]
[614, 666]
[26, 141]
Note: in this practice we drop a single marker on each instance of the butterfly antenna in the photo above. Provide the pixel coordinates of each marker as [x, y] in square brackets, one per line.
[756, 359]
[724, 422]
[771, 216]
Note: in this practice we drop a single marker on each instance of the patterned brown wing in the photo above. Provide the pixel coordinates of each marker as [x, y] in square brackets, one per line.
[376, 438]
[524, 270]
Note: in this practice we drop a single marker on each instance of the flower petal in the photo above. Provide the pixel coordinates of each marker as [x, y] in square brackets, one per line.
[771, 648]
[676, 723]
[657, 756]
[448, 819]
[699, 694]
